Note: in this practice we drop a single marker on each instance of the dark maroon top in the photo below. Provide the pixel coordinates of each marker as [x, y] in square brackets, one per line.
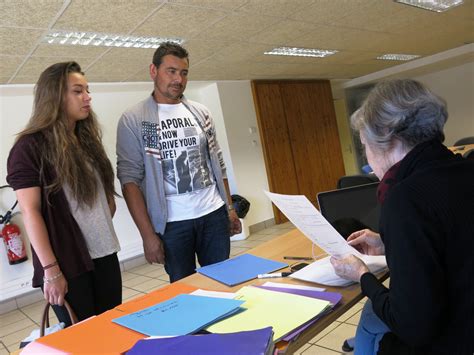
[68, 244]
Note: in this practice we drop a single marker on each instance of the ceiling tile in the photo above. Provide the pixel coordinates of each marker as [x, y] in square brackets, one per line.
[120, 63]
[118, 17]
[8, 65]
[240, 52]
[277, 8]
[34, 66]
[16, 41]
[51, 50]
[214, 4]
[38, 13]
[178, 21]
[24, 79]
[328, 11]
[237, 26]
[282, 33]
[201, 49]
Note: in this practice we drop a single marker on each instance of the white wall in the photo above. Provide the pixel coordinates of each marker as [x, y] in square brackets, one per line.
[456, 86]
[232, 107]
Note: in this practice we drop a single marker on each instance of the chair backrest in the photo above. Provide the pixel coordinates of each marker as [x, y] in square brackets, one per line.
[469, 154]
[464, 141]
[355, 180]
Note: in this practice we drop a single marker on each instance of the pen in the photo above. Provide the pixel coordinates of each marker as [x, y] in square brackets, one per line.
[297, 258]
[276, 274]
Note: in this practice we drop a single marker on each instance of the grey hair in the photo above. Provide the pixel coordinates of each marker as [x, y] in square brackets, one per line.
[400, 109]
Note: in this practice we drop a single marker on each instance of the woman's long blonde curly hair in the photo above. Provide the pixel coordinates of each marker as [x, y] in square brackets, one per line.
[74, 155]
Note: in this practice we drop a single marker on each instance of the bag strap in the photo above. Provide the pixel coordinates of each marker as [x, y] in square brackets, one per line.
[45, 318]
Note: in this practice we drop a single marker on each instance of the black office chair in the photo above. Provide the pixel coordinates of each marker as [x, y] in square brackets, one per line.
[464, 141]
[355, 180]
[469, 154]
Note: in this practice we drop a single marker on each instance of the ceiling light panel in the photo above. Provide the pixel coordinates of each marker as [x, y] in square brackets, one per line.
[104, 40]
[402, 57]
[301, 52]
[432, 5]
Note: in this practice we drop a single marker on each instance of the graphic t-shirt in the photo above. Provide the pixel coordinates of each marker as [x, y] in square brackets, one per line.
[190, 188]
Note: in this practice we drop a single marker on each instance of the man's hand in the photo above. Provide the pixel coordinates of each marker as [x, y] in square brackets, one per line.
[349, 267]
[234, 221]
[154, 251]
[367, 242]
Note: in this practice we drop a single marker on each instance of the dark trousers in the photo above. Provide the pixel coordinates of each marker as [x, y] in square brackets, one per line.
[93, 292]
[208, 237]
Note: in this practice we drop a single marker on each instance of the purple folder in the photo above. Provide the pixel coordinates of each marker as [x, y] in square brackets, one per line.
[332, 297]
[254, 342]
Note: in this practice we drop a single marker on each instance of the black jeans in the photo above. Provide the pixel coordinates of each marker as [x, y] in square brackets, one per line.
[93, 292]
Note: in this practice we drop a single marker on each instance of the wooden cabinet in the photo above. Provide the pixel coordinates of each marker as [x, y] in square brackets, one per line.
[300, 141]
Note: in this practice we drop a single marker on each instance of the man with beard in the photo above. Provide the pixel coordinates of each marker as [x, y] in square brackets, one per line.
[175, 222]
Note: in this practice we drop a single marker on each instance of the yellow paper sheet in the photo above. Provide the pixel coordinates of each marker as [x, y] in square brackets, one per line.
[283, 311]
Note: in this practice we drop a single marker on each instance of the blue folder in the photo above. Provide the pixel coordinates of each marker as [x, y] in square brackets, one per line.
[183, 314]
[240, 269]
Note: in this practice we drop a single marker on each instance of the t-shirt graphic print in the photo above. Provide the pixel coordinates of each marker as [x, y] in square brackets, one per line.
[184, 153]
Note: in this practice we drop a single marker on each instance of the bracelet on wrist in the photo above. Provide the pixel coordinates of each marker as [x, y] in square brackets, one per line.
[52, 279]
[230, 208]
[50, 265]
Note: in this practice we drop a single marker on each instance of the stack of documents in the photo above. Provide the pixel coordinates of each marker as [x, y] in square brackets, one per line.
[283, 311]
[239, 269]
[313, 225]
[255, 342]
[181, 315]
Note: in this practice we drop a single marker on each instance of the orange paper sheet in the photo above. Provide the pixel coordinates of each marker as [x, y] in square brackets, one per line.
[100, 335]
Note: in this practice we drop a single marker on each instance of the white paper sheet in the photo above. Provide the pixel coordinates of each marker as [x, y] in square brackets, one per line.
[299, 210]
[322, 272]
[217, 294]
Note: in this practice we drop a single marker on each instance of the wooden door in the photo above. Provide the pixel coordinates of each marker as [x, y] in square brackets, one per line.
[299, 135]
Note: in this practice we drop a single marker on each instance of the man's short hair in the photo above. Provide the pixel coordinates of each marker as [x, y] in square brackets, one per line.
[169, 48]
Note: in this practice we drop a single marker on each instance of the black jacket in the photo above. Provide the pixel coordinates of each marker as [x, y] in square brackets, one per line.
[427, 225]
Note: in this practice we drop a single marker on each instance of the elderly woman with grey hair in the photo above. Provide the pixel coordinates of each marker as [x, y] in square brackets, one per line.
[426, 228]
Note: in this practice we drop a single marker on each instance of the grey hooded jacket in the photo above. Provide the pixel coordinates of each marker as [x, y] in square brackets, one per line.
[139, 159]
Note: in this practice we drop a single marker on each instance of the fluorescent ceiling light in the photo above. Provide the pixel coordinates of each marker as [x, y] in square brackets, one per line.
[432, 5]
[301, 52]
[104, 39]
[398, 56]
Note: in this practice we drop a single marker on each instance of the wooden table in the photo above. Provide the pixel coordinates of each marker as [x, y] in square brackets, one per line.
[293, 243]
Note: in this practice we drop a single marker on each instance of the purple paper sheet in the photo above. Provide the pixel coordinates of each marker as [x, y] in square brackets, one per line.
[332, 297]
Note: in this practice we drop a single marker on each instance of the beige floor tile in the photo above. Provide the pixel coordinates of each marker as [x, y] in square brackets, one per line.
[131, 283]
[13, 347]
[3, 350]
[302, 349]
[354, 320]
[10, 328]
[325, 332]
[127, 276]
[362, 301]
[148, 285]
[319, 350]
[160, 285]
[238, 250]
[272, 231]
[147, 268]
[355, 308]
[335, 338]
[17, 337]
[387, 283]
[12, 316]
[35, 310]
[128, 293]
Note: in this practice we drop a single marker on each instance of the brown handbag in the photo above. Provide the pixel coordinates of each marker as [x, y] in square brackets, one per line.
[45, 318]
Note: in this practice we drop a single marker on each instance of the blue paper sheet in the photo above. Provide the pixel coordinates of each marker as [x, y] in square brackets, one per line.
[240, 269]
[181, 315]
[255, 342]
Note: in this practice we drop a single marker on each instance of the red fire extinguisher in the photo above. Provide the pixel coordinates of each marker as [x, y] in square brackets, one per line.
[16, 251]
